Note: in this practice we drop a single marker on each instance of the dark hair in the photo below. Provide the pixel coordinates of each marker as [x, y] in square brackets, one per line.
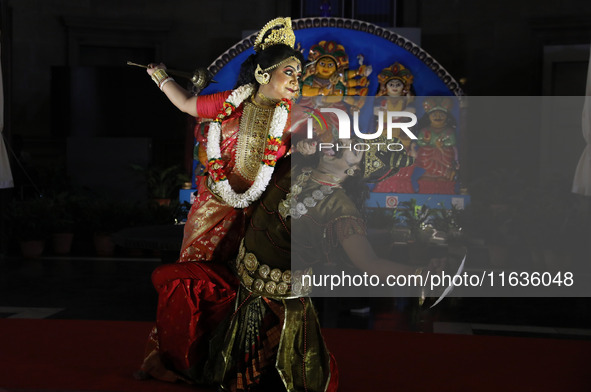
[266, 58]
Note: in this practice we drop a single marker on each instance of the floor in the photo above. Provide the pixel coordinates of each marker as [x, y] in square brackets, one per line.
[119, 288]
[91, 288]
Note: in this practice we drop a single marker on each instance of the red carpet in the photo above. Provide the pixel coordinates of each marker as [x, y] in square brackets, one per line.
[60, 355]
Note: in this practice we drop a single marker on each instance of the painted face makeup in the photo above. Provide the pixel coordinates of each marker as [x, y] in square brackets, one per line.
[284, 81]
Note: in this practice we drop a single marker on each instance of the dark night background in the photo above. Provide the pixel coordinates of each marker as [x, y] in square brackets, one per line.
[74, 109]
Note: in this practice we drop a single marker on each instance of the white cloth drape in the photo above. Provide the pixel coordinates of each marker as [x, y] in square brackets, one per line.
[582, 180]
[5, 173]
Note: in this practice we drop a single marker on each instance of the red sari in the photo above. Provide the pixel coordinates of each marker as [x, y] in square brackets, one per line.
[211, 220]
[198, 292]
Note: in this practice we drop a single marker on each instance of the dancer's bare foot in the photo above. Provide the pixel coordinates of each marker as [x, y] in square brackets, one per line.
[154, 368]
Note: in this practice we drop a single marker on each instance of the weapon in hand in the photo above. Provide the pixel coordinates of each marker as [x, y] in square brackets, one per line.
[200, 78]
[451, 286]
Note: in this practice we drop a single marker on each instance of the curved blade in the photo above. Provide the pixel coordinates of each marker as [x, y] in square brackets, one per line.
[451, 286]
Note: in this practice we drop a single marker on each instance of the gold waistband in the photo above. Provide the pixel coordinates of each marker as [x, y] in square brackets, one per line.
[274, 283]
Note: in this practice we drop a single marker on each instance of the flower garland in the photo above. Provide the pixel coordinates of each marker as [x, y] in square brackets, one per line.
[220, 184]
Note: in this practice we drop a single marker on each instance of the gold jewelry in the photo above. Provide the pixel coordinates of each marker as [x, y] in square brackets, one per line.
[201, 78]
[254, 126]
[282, 62]
[266, 100]
[277, 31]
[334, 183]
[275, 283]
[261, 76]
[220, 184]
[159, 75]
[297, 204]
[336, 180]
[168, 79]
[350, 172]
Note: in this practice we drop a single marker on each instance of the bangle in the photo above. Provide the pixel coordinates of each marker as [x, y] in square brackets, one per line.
[168, 79]
[158, 76]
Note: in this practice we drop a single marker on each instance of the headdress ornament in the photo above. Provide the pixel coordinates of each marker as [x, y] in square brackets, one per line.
[332, 50]
[277, 31]
[261, 76]
[396, 71]
[431, 104]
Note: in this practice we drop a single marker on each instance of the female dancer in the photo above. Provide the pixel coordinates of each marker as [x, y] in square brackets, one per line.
[248, 134]
[306, 224]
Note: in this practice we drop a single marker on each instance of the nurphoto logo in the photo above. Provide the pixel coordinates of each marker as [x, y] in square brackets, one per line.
[393, 121]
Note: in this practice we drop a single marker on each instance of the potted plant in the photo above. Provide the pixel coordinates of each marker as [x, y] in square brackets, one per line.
[28, 219]
[379, 223]
[450, 223]
[105, 217]
[64, 207]
[417, 219]
[162, 183]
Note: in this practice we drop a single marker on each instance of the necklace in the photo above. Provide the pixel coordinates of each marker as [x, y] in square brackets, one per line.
[266, 100]
[252, 138]
[335, 180]
[218, 182]
[297, 204]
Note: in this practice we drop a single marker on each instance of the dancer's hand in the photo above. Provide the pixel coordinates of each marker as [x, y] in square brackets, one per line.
[153, 67]
[306, 147]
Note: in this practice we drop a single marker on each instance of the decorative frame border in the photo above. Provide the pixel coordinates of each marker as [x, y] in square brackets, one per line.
[352, 24]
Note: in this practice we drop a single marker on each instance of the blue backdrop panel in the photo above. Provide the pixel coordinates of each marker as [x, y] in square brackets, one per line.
[380, 48]
[378, 52]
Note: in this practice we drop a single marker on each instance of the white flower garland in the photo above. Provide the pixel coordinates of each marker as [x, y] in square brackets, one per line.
[222, 187]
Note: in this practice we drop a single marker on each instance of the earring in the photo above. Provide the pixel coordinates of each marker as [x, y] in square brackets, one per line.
[350, 172]
[260, 76]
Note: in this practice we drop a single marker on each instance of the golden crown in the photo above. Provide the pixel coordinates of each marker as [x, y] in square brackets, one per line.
[396, 71]
[332, 50]
[431, 104]
[277, 31]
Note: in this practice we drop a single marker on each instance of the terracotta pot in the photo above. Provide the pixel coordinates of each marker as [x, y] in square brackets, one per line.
[162, 202]
[104, 245]
[32, 249]
[62, 243]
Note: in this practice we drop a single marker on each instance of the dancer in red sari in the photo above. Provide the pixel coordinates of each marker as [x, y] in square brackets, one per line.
[248, 134]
